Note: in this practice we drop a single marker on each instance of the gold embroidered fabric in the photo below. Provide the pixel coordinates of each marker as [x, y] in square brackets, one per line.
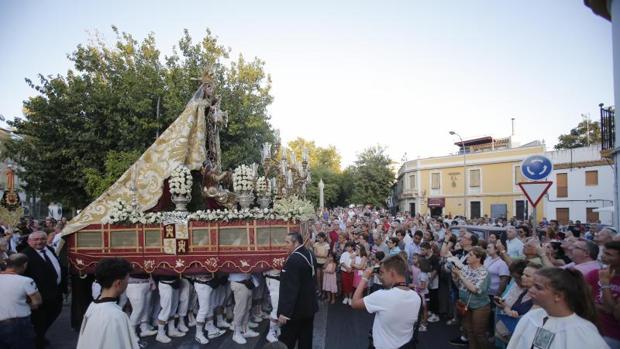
[183, 143]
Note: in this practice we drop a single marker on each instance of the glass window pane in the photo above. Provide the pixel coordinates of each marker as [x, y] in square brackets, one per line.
[119, 239]
[89, 239]
[263, 236]
[278, 234]
[201, 237]
[233, 237]
[435, 181]
[152, 238]
[474, 178]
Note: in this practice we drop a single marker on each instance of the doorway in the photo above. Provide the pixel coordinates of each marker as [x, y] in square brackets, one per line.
[474, 209]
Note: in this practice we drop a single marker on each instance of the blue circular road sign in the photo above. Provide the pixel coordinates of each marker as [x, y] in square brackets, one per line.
[536, 167]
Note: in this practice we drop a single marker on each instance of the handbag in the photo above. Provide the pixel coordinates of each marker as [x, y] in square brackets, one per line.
[461, 307]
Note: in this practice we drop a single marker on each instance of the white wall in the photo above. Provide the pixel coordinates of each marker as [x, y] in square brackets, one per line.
[581, 196]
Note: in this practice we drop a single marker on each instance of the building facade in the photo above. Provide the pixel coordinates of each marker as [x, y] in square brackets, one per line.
[436, 185]
[583, 186]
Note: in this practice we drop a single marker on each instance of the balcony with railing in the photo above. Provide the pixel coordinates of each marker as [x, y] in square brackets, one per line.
[608, 130]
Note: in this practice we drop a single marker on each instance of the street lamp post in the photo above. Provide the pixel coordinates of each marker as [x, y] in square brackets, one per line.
[464, 173]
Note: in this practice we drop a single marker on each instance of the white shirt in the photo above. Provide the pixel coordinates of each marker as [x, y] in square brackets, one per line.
[396, 313]
[496, 267]
[15, 290]
[54, 260]
[514, 248]
[346, 259]
[106, 326]
[569, 332]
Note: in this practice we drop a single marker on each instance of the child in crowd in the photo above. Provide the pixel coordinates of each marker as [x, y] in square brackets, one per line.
[329, 279]
[346, 272]
[420, 270]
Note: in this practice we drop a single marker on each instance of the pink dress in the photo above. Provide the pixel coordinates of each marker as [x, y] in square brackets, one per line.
[329, 278]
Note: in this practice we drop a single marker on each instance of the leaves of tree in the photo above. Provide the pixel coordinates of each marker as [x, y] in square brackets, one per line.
[79, 124]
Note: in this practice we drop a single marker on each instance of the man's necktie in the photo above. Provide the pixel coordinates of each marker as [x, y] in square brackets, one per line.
[49, 261]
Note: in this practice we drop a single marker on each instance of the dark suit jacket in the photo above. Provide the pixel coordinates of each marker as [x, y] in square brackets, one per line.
[298, 298]
[43, 274]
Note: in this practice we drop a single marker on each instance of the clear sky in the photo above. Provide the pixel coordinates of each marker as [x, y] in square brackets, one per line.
[358, 73]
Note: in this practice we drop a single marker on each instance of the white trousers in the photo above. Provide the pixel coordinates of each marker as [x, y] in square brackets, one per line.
[273, 286]
[203, 292]
[184, 291]
[169, 301]
[243, 303]
[139, 296]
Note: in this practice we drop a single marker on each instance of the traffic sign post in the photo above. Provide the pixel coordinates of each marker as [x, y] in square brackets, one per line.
[534, 192]
[536, 167]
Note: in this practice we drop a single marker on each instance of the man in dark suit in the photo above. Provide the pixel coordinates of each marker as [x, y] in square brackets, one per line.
[44, 268]
[298, 303]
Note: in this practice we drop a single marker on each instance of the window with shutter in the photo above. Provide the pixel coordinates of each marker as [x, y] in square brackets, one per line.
[562, 185]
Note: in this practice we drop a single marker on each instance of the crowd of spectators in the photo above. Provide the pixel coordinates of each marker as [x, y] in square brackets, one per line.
[484, 282]
[503, 282]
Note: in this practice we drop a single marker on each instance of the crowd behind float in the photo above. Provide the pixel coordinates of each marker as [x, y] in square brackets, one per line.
[503, 282]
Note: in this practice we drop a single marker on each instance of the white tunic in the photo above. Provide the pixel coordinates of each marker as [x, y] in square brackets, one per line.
[105, 326]
[566, 332]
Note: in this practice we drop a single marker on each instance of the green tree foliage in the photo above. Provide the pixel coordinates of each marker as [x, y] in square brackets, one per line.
[324, 164]
[324, 158]
[587, 132]
[372, 177]
[116, 163]
[106, 106]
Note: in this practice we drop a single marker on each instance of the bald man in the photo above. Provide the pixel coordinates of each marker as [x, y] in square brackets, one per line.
[44, 268]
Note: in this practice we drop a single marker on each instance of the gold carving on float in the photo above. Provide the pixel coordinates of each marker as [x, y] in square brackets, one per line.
[149, 265]
[211, 263]
[278, 263]
[181, 246]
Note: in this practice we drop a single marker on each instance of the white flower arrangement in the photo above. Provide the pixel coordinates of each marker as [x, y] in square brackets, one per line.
[231, 215]
[124, 213]
[294, 208]
[243, 178]
[181, 181]
[289, 209]
[263, 186]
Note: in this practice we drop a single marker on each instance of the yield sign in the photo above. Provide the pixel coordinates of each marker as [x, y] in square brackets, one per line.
[534, 191]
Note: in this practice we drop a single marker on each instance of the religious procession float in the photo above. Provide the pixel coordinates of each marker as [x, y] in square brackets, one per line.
[245, 215]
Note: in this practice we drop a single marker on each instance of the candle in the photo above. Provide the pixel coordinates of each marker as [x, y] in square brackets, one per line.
[289, 178]
[266, 153]
[293, 158]
[304, 154]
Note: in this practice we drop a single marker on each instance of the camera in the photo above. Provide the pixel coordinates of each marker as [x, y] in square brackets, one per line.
[375, 270]
[454, 261]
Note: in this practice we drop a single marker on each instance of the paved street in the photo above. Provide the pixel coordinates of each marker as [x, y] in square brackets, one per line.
[336, 327]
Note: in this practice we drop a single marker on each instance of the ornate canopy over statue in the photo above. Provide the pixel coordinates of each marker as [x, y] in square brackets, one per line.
[183, 143]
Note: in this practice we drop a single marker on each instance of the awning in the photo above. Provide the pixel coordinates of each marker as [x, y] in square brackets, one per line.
[436, 202]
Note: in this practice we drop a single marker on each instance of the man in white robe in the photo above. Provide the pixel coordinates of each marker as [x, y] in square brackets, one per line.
[105, 325]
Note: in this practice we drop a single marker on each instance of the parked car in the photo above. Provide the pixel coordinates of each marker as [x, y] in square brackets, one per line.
[481, 230]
